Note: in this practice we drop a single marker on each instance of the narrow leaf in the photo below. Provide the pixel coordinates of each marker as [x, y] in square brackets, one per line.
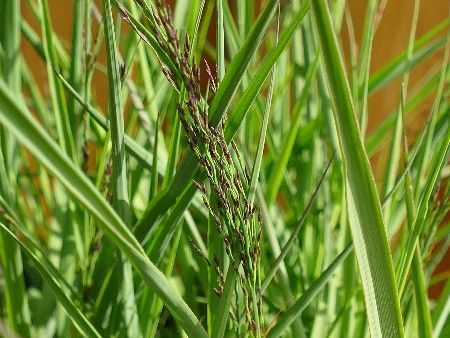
[366, 222]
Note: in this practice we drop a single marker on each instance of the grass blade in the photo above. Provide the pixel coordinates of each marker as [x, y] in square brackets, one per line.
[248, 97]
[285, 320]
[423, 311]
[136, 150]
[120, 189]
[18, 120]
[366, 223]
[373, 16]
[422, 211]
[399, 65]
[237, 67]
[294, 235]
[417, 96]
[220, 42]
[80, 321]
[441, 311]
[119, 174]
[76, 64]
[281, 162]
[65, 135]
[16, 301]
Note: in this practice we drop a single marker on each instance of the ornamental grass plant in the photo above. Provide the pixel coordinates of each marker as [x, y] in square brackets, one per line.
[226, 188]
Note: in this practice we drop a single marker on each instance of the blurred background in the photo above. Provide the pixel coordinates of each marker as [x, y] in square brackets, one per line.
[390, 40]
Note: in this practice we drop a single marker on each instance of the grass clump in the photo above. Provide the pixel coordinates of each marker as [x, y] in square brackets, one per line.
[225, 187]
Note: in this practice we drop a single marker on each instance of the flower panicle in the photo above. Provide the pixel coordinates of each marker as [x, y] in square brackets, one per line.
[232, 212]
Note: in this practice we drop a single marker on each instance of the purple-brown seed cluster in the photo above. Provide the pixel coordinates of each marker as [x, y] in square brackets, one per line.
[234, 216]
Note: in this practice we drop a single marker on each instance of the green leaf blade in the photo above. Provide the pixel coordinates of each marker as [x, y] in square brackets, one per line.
[18, 120]
[369, 236]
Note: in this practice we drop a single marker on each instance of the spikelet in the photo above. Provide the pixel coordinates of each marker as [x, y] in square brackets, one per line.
[234, 216]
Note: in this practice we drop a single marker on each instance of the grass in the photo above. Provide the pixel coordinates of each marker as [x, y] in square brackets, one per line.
[226, 188]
